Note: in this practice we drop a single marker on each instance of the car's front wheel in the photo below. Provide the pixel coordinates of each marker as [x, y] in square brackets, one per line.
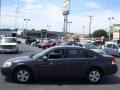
[94, 76]
[23, 75]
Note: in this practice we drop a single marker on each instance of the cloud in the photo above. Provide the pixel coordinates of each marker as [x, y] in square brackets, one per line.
[99, 21]
[43, 15]
[92, 4]
[29, 1]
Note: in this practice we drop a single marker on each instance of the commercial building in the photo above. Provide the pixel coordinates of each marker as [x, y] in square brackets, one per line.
[41, 34]
[116, 31]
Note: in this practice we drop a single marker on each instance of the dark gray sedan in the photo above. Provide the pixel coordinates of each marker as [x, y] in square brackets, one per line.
[65, 61]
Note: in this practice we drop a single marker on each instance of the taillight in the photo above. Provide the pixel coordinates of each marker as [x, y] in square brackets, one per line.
[113, 60]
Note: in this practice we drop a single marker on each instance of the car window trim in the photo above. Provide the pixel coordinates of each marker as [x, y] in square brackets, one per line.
[51, 51]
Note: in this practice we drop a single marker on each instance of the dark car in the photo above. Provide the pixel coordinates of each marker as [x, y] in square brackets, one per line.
[65, 61]
[30, 40]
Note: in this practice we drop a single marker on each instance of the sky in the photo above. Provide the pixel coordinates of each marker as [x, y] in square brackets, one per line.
[44, 13]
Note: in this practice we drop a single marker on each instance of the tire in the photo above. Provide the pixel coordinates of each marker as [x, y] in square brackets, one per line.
[23, 75]
[94, 76]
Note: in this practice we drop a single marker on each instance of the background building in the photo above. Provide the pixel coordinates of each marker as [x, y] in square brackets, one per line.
[116, 31]
[8, 33]
[41, 34]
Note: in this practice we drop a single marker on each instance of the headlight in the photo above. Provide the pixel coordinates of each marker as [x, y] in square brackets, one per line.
[7, 64]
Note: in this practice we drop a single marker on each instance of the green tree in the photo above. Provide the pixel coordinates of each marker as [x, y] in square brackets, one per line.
[99, 33]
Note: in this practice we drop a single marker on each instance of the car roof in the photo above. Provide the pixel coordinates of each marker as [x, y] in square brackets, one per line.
[68, 47]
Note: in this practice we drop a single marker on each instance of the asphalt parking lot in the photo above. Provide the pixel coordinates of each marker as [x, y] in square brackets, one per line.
[107, 83]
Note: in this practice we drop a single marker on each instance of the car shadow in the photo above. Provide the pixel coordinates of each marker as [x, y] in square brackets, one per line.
[109, 80]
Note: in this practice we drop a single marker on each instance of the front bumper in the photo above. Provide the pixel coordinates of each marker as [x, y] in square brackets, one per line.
[8, 50]
[8, 72]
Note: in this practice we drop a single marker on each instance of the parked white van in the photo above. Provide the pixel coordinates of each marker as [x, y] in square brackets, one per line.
[8, 44]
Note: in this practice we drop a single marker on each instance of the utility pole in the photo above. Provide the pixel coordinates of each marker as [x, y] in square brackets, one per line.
[90, 23]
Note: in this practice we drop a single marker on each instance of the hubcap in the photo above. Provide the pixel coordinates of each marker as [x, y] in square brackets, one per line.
[94, 76]
[23, 75]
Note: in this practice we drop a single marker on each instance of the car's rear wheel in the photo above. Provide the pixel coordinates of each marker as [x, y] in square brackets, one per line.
[23, 75]
[94, 75]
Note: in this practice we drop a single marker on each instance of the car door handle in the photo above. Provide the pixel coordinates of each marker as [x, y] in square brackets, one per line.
[51, 62]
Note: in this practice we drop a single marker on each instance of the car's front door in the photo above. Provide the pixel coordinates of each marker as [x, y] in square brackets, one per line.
[50, 66]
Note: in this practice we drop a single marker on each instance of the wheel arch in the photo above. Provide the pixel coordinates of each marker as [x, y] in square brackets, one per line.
[23, 66]
[96, 68]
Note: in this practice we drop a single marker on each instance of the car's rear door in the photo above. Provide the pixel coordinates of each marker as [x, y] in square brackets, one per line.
[75, 63]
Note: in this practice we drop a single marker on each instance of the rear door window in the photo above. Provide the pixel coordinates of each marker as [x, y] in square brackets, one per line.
[86, 54]
[72, 53]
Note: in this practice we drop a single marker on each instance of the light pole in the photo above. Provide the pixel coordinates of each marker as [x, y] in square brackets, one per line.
[83, 27]
[26, 23]
[48, 27]
[110, 27]
[16, 17]
[90, 24]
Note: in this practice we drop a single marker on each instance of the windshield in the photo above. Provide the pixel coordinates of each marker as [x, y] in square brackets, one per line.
[9, 40]
[90, 46]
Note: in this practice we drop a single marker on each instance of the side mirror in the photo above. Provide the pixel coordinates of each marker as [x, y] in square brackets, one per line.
[44, 58]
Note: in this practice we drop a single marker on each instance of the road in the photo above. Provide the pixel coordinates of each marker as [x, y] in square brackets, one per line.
[107, 83]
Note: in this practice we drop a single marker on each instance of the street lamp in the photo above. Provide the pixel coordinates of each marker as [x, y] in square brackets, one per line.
[110, 27]
[26, 23]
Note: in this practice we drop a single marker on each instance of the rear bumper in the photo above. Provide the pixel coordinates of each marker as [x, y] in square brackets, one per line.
[112, 69]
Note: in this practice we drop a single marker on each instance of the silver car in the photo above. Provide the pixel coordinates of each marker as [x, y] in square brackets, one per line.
[112, 49]
[91, 47]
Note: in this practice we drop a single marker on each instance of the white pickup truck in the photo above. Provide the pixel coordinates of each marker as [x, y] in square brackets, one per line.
[8, 44]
